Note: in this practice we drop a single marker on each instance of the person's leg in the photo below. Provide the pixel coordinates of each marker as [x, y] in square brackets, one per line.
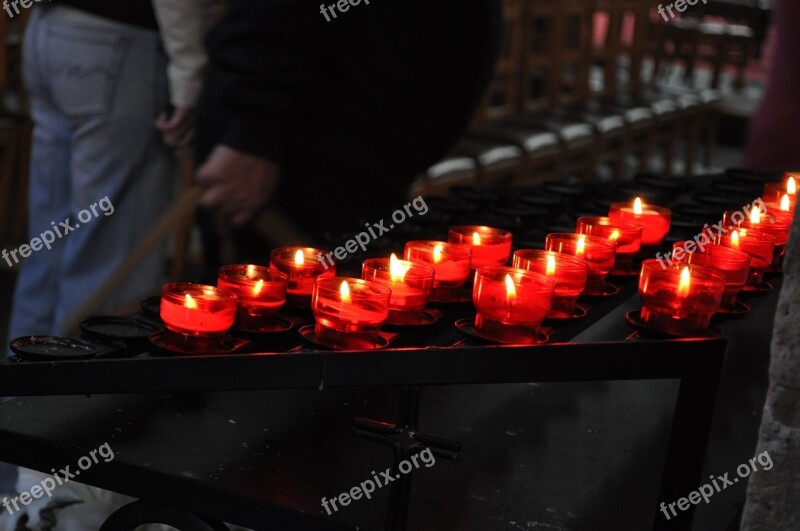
[36, 290]
[121, 173]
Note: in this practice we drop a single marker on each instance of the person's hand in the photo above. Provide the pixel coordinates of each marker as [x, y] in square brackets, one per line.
[178, 130]
[237, 184]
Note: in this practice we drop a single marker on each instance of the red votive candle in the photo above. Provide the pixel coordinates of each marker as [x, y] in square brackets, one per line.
[302, 266]
[410, 283]
[450, 261]
[567, 271]
[775, 191]
[759, 245]
[511, 303]
[783, 209]
[655, 220]
[598, 253]
[627, 236]
[679, 299]
[349, 312]
[732, 264]
[261, 292]
[489, 246]
[765, 223]
[197, 316]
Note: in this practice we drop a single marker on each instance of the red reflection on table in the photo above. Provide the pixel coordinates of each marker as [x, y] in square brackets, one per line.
[679, 299]
[655, 220]
[349, 312]
[598, 253]
[489, 246]
[759, 245]
[567, 271]
[511, 303]
[302, 266]
[261, 293]
[627, 236]
[450, 261]
[732, 264]
[410, 283]
[197, 316]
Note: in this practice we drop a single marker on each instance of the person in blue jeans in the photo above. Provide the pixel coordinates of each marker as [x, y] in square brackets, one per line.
[97, 81]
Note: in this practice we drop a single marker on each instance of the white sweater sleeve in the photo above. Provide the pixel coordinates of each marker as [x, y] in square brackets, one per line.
[183, 25]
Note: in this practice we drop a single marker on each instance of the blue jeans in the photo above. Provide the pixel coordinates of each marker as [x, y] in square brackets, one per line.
[96, 87]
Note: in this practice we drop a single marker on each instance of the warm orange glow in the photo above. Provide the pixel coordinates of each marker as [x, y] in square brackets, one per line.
[637, 206]
[190, 302]
[551, 266]
[344, 291]
[258, 287]
[581, 246]
[476, 238]
[735, 238]
[251, 271]
[785, 203]
[396, 269]
[437, 253]
[755, 216]
[614, 235]
[685, 282]
[511, 289]
[299, 258]
[791, 185]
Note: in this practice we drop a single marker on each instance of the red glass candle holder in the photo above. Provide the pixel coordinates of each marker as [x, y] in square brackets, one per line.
[451, 262]
[732, 264]
[261, 293]
[511, 303]
[490, 247]
[568, 272]
[411, 285]
[302, 266]
[784, 212]
[768, 224]
[197, 317]
[349, 312]
[679, 299]
[655, 220]
[598, 253]
[759, 245]
[773, 192]
[627, 236]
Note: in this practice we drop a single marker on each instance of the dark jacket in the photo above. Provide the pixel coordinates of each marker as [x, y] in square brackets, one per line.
[386, 81]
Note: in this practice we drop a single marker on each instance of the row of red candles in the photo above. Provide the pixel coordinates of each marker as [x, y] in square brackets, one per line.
[511, 302]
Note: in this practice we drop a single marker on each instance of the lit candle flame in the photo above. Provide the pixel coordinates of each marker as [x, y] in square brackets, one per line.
[614, 235]
[735, 238]
[437, 253]
[190, 302]
[581, 247]
[685, 282]
[755, 216]
[511, 290]
[258, 287]
[299, 258]
[344, 291]
[551, 266]
[397, 270]
[637, 206]
[785, 203]
[476, 238]
[251, 271]
[791, 185]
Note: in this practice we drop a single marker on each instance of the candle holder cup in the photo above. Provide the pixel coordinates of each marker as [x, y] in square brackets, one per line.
[733, 265]
[411, 286]
[627, 236]
[349, 317]
[655, 220]
[598, 253]
[490, 246]
[759, 245]
[451, 263]
[568, 272]
[197, 317]
[302, 266]
[261, 293]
